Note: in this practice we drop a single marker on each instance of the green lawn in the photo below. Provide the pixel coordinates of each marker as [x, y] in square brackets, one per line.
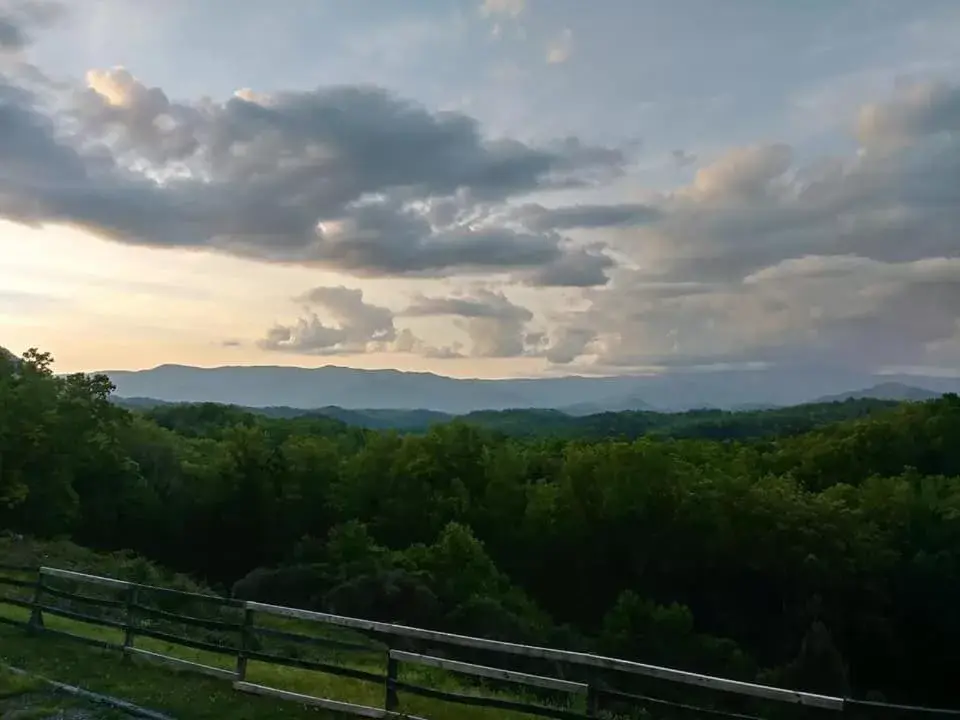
[192, 696]
[27, 698]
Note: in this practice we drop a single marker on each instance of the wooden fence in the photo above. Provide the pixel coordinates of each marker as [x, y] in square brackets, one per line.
[573, 685]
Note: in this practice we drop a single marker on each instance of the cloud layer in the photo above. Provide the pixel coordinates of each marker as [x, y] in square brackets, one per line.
[762, 256]
[852, 260]
[346, 178]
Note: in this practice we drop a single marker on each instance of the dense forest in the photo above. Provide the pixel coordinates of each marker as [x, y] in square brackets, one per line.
[528, 422]
[825, 559]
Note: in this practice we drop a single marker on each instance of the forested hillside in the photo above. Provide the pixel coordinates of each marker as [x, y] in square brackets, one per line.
[827, 560]
[532, 422]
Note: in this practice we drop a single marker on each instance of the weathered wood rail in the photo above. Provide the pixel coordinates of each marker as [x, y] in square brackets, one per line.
[576, 688]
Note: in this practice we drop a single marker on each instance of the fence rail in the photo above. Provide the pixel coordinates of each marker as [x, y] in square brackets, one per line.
[232, 631]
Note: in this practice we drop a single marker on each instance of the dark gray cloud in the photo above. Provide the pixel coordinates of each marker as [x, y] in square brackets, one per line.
[19, 18]
[571, 342]
[12, 36]
[385, 238]
[356, 160]
[351, 178]
[486, 305]
[587, 217]
[343, 141]
[43, 178]
[579, 267]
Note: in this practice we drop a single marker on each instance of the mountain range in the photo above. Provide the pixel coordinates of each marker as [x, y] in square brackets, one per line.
[885, 391]
[354, 389]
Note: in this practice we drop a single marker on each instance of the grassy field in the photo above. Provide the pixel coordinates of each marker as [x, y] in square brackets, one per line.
[191, 696]
[25, 698]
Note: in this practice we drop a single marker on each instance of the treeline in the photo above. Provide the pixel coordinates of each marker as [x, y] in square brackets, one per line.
[627, 425]
[690, 424]
[828, 560]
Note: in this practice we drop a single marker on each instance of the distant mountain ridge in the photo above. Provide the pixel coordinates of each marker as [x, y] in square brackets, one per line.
[629, 424]
[885, 391]
[367, 390]
[626, 403]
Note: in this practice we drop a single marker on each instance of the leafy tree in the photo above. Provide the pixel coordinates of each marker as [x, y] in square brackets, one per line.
[817, 546]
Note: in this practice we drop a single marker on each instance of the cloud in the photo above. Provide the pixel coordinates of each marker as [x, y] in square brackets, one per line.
[495, 325]
[343, 142]
[571, 343]
[358, 326]
[11, 35]
[383, 237]
[762, 256]
[582, 267]
[743, 174]
[560, 48]
[16, 303]
[504, 14]
[349, 325]
[682, 158]
[539, 218]
[754, 206]
[338, 177]
[508, 8]
[19, 19]
[848, 261]
[916, 110]
[814, 310]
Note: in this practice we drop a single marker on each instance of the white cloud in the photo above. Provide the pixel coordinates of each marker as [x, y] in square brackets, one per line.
[508, 8]
[560, 48]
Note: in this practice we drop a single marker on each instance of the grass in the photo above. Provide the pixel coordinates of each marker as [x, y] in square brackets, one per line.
[12, 685]
[23, 697]
[185, 696]
[190, 696]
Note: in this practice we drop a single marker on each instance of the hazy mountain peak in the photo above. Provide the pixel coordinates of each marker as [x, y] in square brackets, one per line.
[890, 390]
[348, 388]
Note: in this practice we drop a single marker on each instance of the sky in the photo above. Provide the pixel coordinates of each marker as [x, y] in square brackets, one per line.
[482, 188]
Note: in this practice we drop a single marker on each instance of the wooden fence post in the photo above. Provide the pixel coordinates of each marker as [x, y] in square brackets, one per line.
[392, 702]
[130, 621]
[244, 644]
[35, 623]
[593, 706]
